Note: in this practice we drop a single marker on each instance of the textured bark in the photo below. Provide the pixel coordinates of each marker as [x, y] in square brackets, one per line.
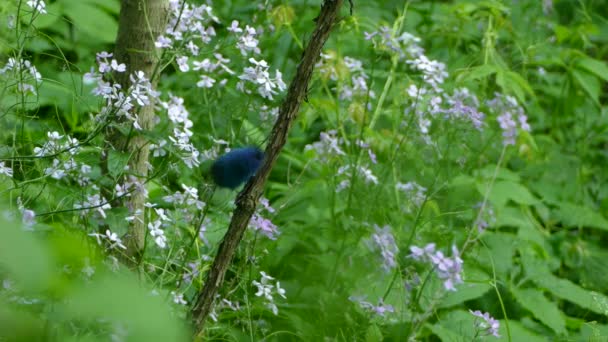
[140, 23]
[249, 197]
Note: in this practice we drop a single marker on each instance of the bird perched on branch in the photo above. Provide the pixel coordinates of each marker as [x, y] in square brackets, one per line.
[236, 167]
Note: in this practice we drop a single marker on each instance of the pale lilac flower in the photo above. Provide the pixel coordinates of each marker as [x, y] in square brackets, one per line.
[264, 226]
[157, 233]
[361, 170]
[511, 117]
[234, 27]
[112, 237]
[266, 205]
[381, 309]
[259, 76]
[205, 82]
[327, 146]
[266, 290]
[485, 323]
[447, 269]
[247, 42]
[182, 63]
[384, 241]
[94, 202]
[6, 170]
[178, 298]
[158, 150]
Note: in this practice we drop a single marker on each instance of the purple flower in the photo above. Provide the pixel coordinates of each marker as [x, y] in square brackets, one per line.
[384, 241]
[511, 118]
[266, 228]
[447, 269]
[486, 324]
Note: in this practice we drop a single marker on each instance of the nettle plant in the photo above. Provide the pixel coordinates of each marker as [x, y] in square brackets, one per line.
[373, 223]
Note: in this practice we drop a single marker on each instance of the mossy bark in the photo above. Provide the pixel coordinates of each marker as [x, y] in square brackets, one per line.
[140, 23]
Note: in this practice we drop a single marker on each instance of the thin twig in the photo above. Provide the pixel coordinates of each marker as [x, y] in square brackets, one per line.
[247, 200]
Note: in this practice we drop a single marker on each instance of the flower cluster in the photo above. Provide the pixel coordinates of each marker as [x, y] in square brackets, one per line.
[358, 81]
[63, 164]
[384, 241]
[188, 199]
[266, 289]
[179, 117]
[155, 225]
[93, 202]
[186, 25]
[511, 118]
[346, 172]
[119, 103]
[485, 323]
[247, 40]
[263, 225]
[24, 73]
[258, 77]
[331, 67]
[327, 146]
[447, 269]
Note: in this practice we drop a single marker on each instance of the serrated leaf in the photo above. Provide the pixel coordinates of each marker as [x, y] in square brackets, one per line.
[504, 191]
[574, 215]
[500, 246]
[465, 292]
[567, 290]
[540, 307]
[478, 72]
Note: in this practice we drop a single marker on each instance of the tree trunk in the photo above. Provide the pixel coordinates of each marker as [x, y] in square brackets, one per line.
[140, 23]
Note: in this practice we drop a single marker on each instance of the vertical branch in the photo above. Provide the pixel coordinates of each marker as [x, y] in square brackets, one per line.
[140, 23]
[248, 198]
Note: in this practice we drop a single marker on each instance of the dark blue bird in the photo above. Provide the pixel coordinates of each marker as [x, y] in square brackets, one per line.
[236, 167]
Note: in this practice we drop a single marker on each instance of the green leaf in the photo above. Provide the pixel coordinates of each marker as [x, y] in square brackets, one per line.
[113, 6]
[465, 292]
[567, 290]
[544, 310]
[574, 215]
[123, 299]
[117, 161]
[373, 334]
[54, 12]
[519, 332]
[499, 251]
[28, 261]
[93, 21]
[593, 66]
[588, 83]
[478, 72]
[503, 191]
